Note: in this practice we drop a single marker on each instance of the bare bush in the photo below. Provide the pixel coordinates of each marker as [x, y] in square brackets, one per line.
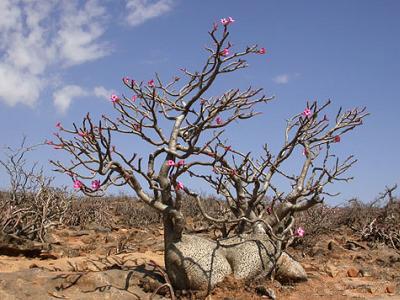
[31, 206]
[90, 211]
[383, 222]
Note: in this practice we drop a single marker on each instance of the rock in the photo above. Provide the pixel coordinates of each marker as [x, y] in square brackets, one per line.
[290, 270]
[352, 272]
[390, 289]
[331, 270]
[264, 291]
[365, 273]
[334, 246]
[33, 266]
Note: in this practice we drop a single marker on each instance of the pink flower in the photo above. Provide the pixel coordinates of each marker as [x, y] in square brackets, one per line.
[218, 120]
[134, 97]
[170, 163]
[337, 139]
[227, 21]
[150, 83]
[78, 184]
[95, 184]
[50, 143]
[114, 98]
[305, 152]
[262, 51]
[306, 112]
[58, 125]
[181, 163]
[82, 133]
[179, 186]
[224, 52]
[299, 232]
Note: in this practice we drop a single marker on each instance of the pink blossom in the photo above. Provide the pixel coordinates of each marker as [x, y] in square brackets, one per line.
[224, 52]
[58, 125]
[134, 97]
[307, 112]
[179, 186]
[150, 83]
[299, 232]
[262, 51]
[337, 139]
[181, 163]
[218, 120]
[114, 98]
[95, 184]
[170, 163]
[83, 133]
[78, 184]
[305, 152]
[227, 21]
[49, 143]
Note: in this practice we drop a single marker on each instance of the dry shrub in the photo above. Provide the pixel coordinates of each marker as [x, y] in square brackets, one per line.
[377, 222]
[133, 213]
[90, 211]
[31, 205]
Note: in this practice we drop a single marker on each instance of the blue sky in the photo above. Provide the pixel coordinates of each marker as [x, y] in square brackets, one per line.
[61, 59]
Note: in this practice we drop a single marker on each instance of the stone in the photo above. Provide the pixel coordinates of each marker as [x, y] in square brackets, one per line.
[365, 273]
[390, 289]
[331, 270]
[352, 272]
[334, 246]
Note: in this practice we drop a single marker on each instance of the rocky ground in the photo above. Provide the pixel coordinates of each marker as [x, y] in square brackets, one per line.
[99, 263]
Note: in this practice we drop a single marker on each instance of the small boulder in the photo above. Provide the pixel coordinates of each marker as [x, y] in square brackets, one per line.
[352, 272]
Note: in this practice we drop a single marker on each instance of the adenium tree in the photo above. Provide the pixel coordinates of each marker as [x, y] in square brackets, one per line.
[184, 126]
[247, 183]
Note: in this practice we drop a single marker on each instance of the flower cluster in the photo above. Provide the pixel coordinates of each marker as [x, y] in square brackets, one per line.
[78, 185]
[307, 112]
[171, 163]
[114, 98]
[299, 232]
[227, 21]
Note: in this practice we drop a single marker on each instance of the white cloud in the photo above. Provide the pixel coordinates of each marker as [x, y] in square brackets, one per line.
[139, 11]
[37, 37]
[102, 92]
[64, 97]
[80, 29]
[282, 79]
[18, 87]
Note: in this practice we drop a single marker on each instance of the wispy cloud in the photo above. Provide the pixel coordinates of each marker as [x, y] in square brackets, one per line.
[38, 36]
[282, 79]
[102, 92]
[64, 97]
[139, 11]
